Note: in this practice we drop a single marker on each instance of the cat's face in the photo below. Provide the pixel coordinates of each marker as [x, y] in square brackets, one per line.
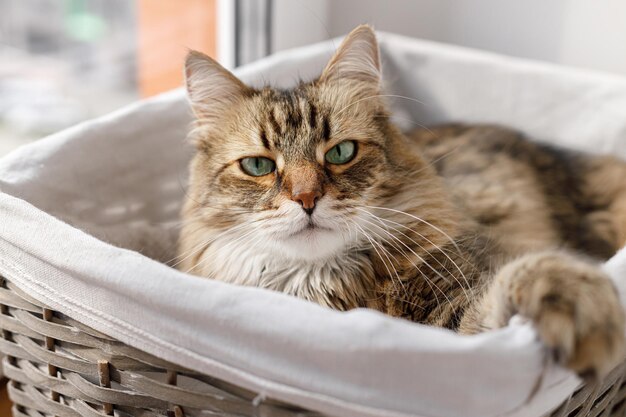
[294, 172]
[299, 163]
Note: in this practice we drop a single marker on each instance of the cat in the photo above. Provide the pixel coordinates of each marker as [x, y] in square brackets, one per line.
[314, 192]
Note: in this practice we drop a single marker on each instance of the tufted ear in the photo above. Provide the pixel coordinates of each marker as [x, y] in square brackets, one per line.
[357, 58]
[211, 88]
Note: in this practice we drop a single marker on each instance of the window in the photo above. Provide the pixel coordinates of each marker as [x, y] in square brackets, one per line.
[65, 61]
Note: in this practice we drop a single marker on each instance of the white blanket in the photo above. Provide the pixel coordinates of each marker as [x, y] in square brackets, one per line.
[73, 201]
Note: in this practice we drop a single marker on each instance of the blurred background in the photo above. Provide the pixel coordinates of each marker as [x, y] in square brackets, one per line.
[64, 61]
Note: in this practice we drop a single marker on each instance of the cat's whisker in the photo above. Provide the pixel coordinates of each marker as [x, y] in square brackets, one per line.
[254, 229]
[355, 243]
[436, 247]
[380, 95]
[443, 252]
[355, 246]
[374, 247]
[345, 222]
[229, 209]
[399, 280]
[259, 244]
[436, 160]
[190, 251]
[382, 220]
[420, 220]
[406, 119]
[432, 243]
[428, 280]
[386, 252]
[412, 121]
[376, 250]
[199, 247]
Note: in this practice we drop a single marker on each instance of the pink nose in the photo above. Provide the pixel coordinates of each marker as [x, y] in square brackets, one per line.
[307, 199]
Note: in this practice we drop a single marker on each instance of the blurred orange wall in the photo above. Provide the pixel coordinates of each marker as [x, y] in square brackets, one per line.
[167, 29]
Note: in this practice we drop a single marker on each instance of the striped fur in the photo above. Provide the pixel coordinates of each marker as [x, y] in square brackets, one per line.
[455, 226]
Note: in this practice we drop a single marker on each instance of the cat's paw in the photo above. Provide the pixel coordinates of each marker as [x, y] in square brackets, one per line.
[575, 309]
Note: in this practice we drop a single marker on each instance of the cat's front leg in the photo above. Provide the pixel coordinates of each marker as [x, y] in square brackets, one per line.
[572, 303]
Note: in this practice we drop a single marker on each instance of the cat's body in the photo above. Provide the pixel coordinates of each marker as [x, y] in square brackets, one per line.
[516, 197]
[314, 192]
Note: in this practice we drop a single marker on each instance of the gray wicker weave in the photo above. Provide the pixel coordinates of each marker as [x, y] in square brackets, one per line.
[59, 367]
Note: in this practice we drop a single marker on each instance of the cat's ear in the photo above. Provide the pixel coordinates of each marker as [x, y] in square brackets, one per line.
[356, 59]
[211, 88]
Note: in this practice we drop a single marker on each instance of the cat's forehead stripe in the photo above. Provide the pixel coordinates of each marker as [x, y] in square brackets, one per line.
[326, 132]
[312, 115]
[275, 125]
[264, 140]
[293, 115]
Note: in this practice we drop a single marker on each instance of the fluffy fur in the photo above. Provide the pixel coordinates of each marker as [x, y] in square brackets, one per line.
[455, 226]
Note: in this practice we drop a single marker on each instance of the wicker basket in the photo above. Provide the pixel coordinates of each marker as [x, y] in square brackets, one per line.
[59, 367]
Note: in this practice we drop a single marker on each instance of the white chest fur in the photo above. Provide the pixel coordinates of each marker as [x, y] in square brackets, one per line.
[342, 281]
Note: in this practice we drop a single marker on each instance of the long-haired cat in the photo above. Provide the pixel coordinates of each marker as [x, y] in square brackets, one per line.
[314, 192]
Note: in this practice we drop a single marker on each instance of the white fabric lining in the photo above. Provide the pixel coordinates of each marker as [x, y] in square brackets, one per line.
[120, 178]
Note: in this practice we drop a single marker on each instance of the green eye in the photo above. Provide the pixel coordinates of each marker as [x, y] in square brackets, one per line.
[257, 166]
[341, 153]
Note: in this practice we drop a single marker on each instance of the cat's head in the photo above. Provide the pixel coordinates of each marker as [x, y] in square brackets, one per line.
[297, 171]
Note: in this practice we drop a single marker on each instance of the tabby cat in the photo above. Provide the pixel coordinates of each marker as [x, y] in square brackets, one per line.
[314, 192]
